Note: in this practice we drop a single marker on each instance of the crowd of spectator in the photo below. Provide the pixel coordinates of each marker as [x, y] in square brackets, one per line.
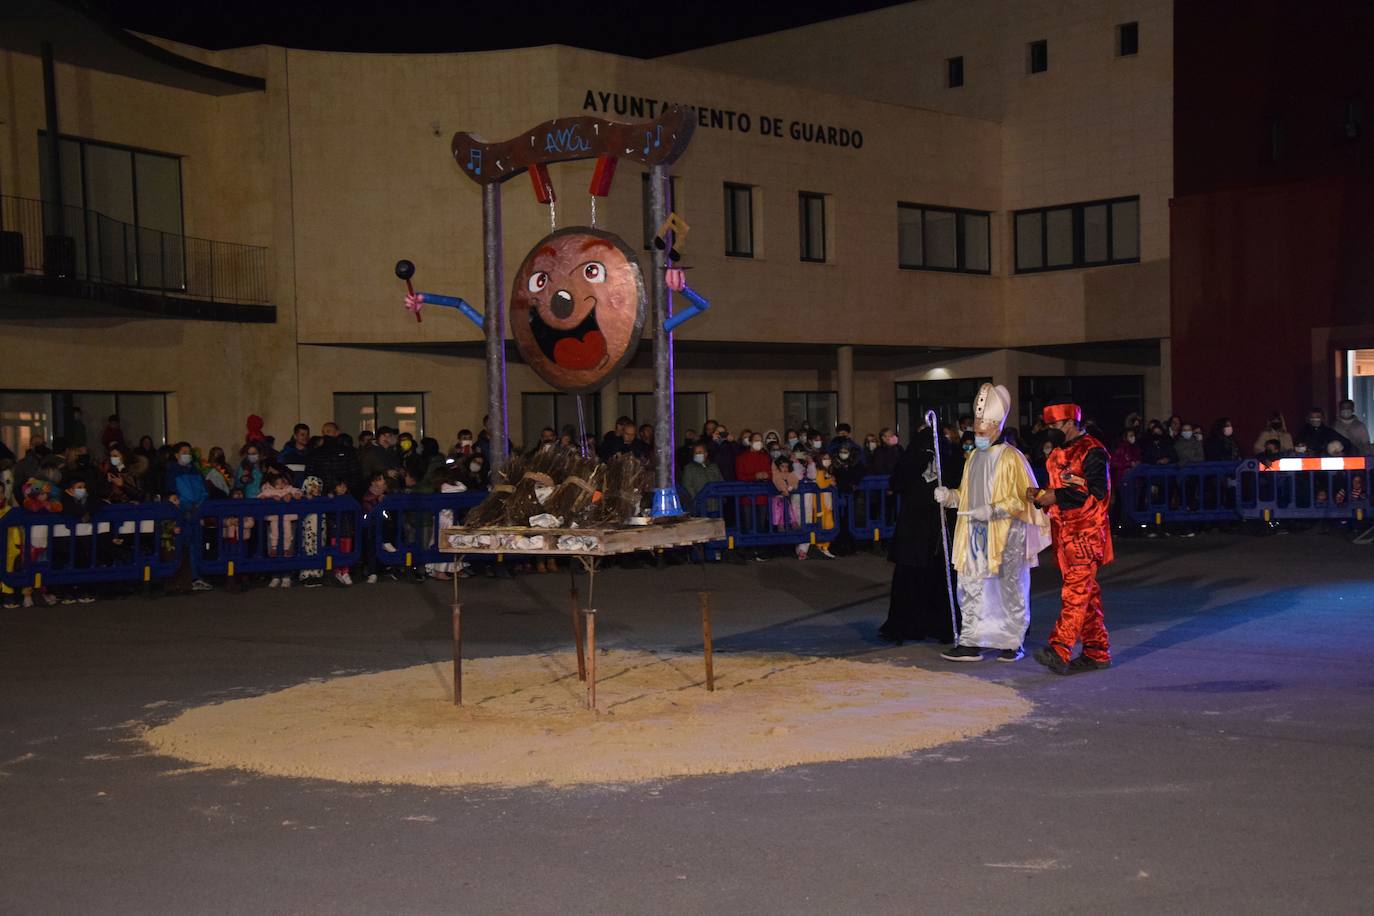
[64, 477]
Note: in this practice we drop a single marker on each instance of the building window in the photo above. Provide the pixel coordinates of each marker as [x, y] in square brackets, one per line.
[650, 230]
[943, 238]
[1038, 56]
[52, 414]
[689, 409]
[1107, 400]
[950, 398]
[559, 413]
[121, 207]
[812, 220]
[954, 71]
[1078, 235]
[404, 411]
[816, 410]
[739, 220]
[1127, 39]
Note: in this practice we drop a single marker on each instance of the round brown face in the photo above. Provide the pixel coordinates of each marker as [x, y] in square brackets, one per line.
[577, 308]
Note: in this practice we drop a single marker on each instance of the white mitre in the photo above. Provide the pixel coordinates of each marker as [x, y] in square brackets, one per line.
[992, 404]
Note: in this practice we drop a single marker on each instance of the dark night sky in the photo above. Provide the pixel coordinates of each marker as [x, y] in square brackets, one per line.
[637, 29]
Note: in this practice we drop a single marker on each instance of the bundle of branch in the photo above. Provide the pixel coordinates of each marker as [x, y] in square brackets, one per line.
[542, 471]
[492, 510]
[622, 488]
[577, 489]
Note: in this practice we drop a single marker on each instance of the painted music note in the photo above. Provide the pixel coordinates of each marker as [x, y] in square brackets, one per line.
[656, 136]
[475, 161]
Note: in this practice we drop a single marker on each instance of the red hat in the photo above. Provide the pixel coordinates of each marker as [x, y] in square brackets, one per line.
[1056, 413]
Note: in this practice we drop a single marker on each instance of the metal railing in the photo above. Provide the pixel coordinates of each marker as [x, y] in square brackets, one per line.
[40, 237]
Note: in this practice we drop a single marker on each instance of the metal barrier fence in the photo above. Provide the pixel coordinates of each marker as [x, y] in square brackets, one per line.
[404, 528]
[231, 536]
[872, 509]
[121, 543]
[1331, 488]
[757, 515]
[1158, 494]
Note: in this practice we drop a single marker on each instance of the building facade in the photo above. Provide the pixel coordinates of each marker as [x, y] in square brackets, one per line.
[885, 210]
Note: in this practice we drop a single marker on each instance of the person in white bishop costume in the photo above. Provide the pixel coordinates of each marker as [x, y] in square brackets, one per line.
[996, 539]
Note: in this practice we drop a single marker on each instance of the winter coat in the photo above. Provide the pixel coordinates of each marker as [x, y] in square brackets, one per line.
[1355, 431]
[694, 477]
[333, 461]
[883, 460]
[185, 483]
[1189, 451]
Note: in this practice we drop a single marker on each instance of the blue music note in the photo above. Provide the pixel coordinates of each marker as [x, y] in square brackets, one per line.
[475, 161]
[656, 135]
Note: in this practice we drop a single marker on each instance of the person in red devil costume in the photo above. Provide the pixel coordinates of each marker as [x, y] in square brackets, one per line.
[1077, 499]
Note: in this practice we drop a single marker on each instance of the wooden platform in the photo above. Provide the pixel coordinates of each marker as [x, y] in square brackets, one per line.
[609, 541]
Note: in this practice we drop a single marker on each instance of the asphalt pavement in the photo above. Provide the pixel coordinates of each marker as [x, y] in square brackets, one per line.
[1224, 764]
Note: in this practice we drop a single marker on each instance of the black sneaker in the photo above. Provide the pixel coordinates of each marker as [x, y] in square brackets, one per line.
[1051, 660]
[1083, 663]
[963, 654]
[1011, 655]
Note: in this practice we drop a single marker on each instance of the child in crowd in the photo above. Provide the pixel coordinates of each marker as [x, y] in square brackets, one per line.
[281, 529]
[343, 538]
[40, 496]
[785, 480]
[311, 488]
[448, 483]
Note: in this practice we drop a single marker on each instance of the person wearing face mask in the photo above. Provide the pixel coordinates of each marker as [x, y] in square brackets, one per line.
[1188, 445]
[842, 439]
[698, 473]
[76, 463]
[382, 456]
[821, 471]
[117, 484]
[1352, 428]
[1221, 445]
[1158, 447]
[886, 454]
[1317, 435]
[1077, 499]
[1276, 428]
[754, 466]
[1125, 456]
[997, 539]
[334, 461]
[474, 472]
[250, 471]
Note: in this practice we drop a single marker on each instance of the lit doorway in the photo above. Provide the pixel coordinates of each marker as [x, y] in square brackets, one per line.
[1359, 380]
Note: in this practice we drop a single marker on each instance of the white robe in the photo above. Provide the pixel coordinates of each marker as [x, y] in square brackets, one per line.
[994, 610]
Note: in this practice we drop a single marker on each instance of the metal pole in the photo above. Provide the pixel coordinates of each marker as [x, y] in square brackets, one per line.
[663, 342]
[53, 190]
[494, 276]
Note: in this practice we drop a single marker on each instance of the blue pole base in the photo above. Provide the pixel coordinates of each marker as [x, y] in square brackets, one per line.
[666, 504]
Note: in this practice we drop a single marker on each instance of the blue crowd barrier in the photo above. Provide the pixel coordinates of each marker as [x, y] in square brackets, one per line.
[1336, 493]
[1162, 494]
[232, 536]
[751, 519]
[404, 527]
[872, 509]
[116, 543]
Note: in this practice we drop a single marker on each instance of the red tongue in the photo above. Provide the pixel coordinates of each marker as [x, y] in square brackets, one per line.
[586, 353]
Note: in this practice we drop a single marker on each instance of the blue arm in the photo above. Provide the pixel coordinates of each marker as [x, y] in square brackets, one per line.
[698, 305]
[454, 302]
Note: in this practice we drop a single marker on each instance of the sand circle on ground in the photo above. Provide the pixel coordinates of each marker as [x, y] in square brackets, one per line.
[525, 721]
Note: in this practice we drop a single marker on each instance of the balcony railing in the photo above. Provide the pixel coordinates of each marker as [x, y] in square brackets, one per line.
[93, 247]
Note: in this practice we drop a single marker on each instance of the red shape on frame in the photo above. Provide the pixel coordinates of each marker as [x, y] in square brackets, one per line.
[543, 185]
[603, 175]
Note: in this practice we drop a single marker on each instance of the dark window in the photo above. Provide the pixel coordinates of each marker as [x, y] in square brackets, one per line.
[689, 408]
[24, 414]
[403, 411]
[650, 230]
[1078, 235]
[950, 399]
[1107, 400]
[943, 238]
[816, 409]
[122, 209]
[812, 218]
[558, 412]
[955, 69]
[739, 220]
[1038, 56]
[1127, 39]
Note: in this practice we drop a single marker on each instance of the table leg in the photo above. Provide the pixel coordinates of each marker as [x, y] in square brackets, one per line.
[590, 615]
[575, 611]
[457, 646]
[704, 601]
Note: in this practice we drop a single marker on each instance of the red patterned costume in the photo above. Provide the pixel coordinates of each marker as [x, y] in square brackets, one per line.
[1082, 539]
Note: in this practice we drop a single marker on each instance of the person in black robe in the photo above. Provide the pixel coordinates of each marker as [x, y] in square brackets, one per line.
[919, 607]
